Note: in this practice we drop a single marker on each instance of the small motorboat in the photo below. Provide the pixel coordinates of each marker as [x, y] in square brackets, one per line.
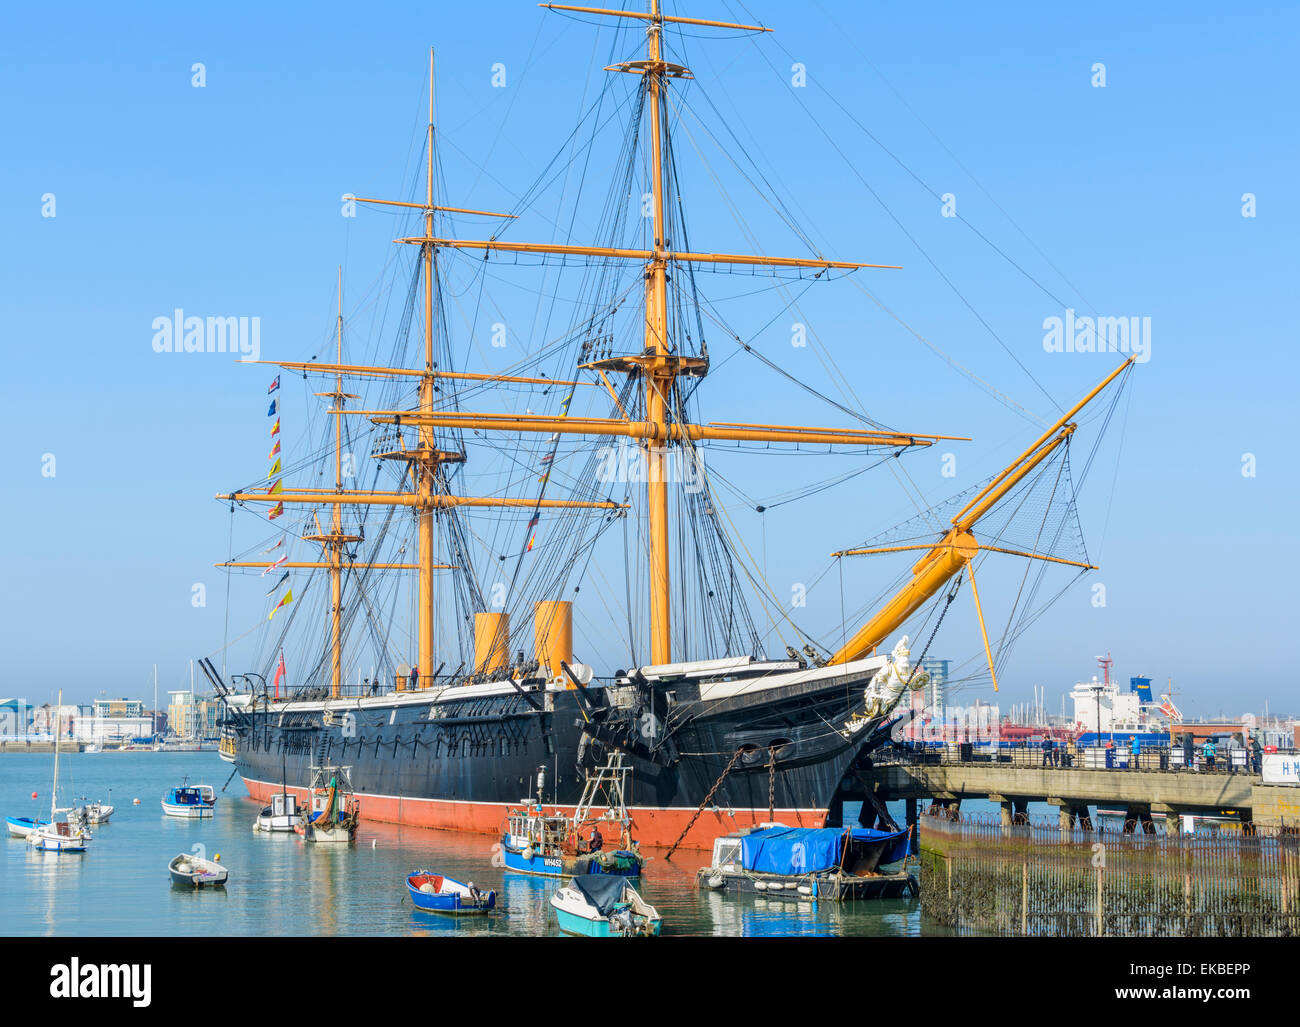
[190, 801]
[192, 872]
[21, 827]
[435, 893]
[90, 813]
[282, 815]
[604, 906]
[59, 836]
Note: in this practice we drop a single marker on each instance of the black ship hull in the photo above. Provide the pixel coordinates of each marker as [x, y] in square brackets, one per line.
[458, 759]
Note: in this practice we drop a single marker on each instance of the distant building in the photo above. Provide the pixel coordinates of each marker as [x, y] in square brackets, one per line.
[192, 717]
[47, 720]
[937, 690]
[115, 722]
[117, 708]
[15, 718]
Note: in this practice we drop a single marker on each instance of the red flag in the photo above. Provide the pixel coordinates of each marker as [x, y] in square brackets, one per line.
[279, 673]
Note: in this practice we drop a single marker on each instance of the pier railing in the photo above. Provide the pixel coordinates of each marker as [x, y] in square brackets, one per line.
[1150, 757]
[980, 877]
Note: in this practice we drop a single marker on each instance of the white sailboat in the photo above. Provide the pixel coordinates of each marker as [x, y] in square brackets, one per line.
[58, 835]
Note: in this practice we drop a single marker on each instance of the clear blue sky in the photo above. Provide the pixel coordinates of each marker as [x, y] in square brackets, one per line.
[225, 200]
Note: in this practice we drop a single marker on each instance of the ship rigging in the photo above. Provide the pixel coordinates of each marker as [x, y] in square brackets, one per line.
[445, 749]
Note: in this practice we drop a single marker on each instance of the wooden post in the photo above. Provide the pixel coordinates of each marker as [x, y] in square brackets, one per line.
[1024, 898]
[1100, 871]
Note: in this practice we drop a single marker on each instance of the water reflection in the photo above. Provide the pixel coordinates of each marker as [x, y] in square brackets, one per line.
[281, 885]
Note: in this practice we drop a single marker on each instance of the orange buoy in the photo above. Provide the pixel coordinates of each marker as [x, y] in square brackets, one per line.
[135, 802]
[33, 795]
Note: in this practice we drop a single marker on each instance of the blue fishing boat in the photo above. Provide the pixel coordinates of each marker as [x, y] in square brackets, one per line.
[435, 893]
[190, 801]
[604, 906]
[21, 827]
[556, 844]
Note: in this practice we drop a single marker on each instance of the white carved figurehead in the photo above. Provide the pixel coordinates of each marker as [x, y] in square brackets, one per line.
[889, 682]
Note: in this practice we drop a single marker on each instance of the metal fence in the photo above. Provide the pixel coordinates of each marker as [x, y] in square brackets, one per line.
[983, 878]
[1171, 759]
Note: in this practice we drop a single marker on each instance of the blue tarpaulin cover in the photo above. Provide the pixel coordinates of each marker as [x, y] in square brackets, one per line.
[895, 843]
[806, 850]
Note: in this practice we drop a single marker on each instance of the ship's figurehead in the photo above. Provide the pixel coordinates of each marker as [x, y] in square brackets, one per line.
[895, 677]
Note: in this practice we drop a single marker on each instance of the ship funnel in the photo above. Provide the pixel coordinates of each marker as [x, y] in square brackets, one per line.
[491, 642]
[553, 637]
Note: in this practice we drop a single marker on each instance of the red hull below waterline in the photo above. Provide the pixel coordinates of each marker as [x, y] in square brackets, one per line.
[652, 826]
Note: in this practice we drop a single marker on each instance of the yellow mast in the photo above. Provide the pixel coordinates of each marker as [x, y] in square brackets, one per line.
[427, 467]
[335, 545]
[958, 548]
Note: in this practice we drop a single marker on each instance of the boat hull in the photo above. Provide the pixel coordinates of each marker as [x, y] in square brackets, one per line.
[449, 903]
[561, 866]
[21, 827]
[598, 927]
[282, 824]
[45, 840]
[191, 872]
[461, 765]
[186, 812]
[329, 835]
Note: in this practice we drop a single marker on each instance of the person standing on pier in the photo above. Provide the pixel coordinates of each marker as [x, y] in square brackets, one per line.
[1135, 748]
[1209, 751]
[1257, 754]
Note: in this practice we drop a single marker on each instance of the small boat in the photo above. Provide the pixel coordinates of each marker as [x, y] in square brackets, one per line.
[604, 906]
[282, 815]
[556, 845]
[334, 810]
[193, 872]
[90, 813]
[190, 801]
[811, 862]
[435, 893]
[58, 835]
[21, 827]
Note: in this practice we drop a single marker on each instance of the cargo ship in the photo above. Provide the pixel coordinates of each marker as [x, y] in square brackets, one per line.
[720, 733]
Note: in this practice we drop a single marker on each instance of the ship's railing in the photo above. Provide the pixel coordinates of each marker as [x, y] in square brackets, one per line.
[379, 686]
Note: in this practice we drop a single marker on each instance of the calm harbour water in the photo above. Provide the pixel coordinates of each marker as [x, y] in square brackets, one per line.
[280, 885]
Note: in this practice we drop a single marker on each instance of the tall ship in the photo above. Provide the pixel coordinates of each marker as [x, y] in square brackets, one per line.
[436, 617]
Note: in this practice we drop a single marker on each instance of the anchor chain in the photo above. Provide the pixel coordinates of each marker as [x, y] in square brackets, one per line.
[707, 799]
[771, 783]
